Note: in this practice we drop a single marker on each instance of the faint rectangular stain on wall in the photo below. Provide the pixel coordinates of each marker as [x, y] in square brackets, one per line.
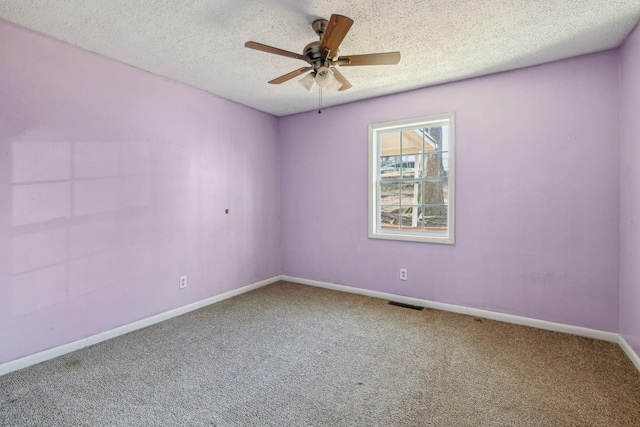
[96, 196]
[94, 237]
[38, 289]
[34, 203]
[94, 159]
[35, 251]
[41, 161]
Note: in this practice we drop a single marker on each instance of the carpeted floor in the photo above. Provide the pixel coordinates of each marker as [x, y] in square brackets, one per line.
[293, 355]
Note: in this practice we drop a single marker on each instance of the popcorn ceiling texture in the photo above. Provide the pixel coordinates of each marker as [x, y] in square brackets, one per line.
[201, 42]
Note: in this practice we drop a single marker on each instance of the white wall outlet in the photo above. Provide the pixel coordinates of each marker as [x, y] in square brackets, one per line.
[183, 282]
[403, 274]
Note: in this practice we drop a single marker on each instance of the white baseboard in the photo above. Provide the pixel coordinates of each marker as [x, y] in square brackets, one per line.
[485, 314]
[33, 359]
[629, 351]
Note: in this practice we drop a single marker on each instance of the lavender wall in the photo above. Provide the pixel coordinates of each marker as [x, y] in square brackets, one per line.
[537, 195]
[113, 183]
[630, 191]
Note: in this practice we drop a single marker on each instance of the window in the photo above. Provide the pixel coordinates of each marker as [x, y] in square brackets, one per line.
[411, 179]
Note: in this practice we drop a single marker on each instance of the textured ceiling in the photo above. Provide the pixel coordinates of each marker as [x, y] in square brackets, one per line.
[201, 42]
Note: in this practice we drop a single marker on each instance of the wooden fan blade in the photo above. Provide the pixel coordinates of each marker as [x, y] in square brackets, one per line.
[290, 75]
[342, 79]
[337, 29]
[270, 49]
[388, 58]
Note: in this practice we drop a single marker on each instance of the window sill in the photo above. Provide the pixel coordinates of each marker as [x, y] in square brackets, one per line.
[410, 237]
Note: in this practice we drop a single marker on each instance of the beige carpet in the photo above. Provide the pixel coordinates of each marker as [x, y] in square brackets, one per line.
[293, 355]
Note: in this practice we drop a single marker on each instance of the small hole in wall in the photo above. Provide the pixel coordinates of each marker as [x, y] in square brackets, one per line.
[226, 211]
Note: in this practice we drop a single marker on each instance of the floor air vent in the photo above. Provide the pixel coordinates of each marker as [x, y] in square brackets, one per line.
[399, 304]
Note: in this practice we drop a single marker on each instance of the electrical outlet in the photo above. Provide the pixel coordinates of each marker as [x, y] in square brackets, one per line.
[183, 282]
[403, 274]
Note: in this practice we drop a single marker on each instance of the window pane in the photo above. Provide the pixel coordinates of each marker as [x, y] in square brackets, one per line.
[411, 218]
[409, 166]
[389, 217]
[390, 167]
[434, 193]
[434, 138]
[390, 194]
[411, 142]
[389, 144]
[410, 193]
[434, 218]
[436, 164]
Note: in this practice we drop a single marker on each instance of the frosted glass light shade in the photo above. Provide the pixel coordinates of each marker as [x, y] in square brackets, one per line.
[324, 77]
[335, 85]
[308, 82]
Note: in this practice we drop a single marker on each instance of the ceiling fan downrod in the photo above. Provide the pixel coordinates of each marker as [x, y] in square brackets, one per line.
[319, 27]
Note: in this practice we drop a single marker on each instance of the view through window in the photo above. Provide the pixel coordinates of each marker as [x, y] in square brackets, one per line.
[411, 184]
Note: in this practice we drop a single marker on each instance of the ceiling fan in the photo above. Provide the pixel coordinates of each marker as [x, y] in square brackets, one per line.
[324, 57]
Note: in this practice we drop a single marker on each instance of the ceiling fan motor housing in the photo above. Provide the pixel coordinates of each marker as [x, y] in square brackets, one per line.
[312, 51]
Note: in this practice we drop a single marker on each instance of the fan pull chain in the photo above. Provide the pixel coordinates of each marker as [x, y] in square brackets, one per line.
[319, 100]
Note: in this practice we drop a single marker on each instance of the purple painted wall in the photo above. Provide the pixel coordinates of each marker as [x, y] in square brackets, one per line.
[113, 183]
[630, 191]
[537, 195]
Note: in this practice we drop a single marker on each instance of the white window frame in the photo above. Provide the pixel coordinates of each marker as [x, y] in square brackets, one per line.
[375, 231]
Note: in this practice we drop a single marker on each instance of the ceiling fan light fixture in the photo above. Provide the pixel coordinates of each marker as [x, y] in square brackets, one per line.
[308, 82]
[324, 77]
[335, 86]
